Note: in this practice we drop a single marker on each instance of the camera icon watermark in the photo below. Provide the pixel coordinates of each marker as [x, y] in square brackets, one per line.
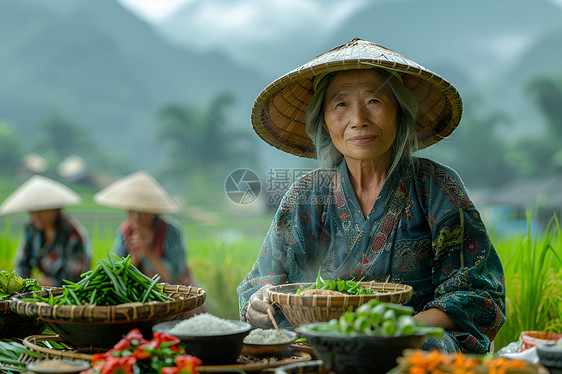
[242, 186]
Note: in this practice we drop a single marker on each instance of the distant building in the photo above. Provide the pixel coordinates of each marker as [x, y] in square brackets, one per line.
[505, 207]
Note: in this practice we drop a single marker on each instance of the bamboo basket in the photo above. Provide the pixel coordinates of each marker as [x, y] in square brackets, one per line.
[102, 326]
[36, 343]
[185, 299]
[303, 309]
[13, 325]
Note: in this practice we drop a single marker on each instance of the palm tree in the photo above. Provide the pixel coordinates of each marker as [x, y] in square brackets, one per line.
[200, 141]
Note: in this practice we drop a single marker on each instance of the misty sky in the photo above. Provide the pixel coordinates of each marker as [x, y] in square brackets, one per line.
[238, 27]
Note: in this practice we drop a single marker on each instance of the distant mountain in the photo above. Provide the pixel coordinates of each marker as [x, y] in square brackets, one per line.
[99, 65]
[487, 49]
[508, 91]
[474, 38]
[103, 67]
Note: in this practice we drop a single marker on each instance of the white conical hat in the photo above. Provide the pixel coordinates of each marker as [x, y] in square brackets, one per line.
[39, 193]
[139, 192]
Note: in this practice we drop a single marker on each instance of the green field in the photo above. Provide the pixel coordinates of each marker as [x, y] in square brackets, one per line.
[223, 247]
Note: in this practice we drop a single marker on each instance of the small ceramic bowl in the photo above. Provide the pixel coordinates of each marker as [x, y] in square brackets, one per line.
[256, 349]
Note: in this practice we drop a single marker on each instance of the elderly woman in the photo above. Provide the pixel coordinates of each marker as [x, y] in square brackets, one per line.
[154, 242]
[53, 243]
[375, 211]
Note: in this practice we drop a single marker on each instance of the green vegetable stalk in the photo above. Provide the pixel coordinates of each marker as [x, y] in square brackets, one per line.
[113, 281]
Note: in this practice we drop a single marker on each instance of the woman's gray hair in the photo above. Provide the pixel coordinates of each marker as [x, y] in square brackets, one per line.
[406, 141]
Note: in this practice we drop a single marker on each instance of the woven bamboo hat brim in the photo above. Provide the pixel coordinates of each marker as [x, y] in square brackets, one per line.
[279, 112]
[39, 193]
[138, 192]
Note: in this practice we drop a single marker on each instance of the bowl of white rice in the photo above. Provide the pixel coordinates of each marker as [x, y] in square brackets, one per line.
[214, 340]
[268, 342]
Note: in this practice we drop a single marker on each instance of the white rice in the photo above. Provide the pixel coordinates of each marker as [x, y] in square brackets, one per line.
[270, 336]
[204, 323]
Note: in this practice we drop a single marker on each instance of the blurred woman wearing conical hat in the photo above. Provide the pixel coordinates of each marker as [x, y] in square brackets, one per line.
[375, 211]
[53, 242]
[154, 242]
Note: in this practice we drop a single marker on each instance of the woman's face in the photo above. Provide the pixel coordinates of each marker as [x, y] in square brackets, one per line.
[44, 219]
[360, 115]
[140, 219]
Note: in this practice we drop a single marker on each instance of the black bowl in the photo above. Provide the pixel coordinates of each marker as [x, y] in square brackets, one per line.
[211, 349]
[100, 334]
[358, 353]
[550, 356]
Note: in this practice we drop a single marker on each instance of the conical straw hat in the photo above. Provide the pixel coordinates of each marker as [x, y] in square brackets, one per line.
[279, 112]
[139, 192]
[39, 193]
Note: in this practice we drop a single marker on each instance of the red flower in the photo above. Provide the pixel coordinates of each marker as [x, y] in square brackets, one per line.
[121, 345]
[135, 334]
[98, 357]
[149, 347]
[187, 364]
[118, 365]
[162, 337]
[170, 370]
[141, 354]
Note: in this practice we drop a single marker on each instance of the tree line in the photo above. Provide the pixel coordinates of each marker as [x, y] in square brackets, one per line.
[202, 145]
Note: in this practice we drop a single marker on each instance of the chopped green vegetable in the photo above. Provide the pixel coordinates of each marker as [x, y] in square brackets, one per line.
[379, 318]
[350, 287]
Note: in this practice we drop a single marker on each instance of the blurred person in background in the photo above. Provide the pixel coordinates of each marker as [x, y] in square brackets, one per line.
[374, 211]
[155, 242]
[53, 243]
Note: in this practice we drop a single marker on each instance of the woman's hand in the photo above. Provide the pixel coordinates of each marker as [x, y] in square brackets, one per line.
[139, 244]
[257, 309]
[436, 318]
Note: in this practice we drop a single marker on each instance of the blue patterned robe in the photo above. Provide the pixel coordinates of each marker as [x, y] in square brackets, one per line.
[423, 231]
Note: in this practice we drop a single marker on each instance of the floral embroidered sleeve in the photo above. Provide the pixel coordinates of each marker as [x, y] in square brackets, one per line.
[276, 258]
[467, 272]
[289, 243]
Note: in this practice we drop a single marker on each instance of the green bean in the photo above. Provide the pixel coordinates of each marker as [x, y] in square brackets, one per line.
[112, 281]
[147, 292]
[111, 276]
[73, 295]
[93, 297]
